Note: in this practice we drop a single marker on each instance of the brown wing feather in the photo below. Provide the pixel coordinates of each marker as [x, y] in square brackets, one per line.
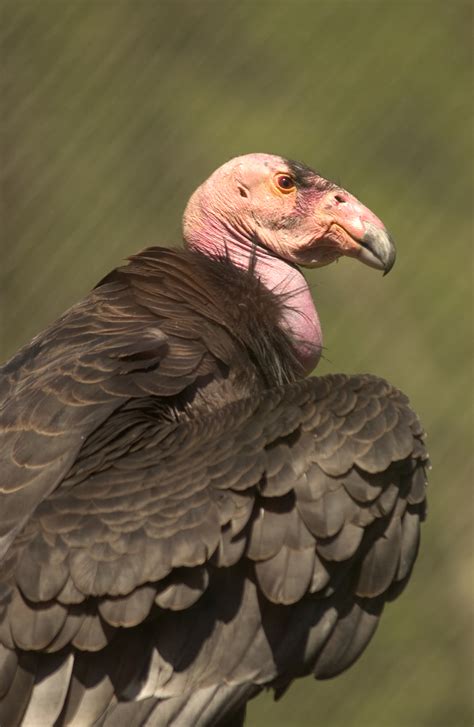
[150, 513]
[229, 546]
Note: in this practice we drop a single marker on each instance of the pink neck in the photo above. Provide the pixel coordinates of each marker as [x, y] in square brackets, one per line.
[300, 319]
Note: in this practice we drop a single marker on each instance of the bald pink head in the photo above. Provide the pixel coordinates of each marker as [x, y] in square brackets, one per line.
[282, 214]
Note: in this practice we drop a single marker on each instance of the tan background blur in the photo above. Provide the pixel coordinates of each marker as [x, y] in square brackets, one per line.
[114, 110]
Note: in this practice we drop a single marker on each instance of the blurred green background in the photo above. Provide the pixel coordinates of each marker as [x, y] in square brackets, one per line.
[114, 110]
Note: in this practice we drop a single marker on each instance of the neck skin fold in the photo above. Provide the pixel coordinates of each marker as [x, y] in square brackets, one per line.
[300, 319]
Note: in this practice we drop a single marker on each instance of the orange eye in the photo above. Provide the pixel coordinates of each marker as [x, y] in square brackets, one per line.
[284, 183]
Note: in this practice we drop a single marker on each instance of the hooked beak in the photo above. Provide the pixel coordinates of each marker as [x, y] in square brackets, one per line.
[348, 228]
[377, 248]
[353, 231]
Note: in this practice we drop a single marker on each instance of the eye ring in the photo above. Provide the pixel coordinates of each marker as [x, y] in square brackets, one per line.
[284, 183]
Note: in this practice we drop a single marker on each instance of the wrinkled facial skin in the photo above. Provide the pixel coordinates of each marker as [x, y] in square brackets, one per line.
[291, 222]
[271, 215]
[304, 219]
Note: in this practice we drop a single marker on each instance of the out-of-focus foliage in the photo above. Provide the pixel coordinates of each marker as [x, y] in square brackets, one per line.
[114, 110]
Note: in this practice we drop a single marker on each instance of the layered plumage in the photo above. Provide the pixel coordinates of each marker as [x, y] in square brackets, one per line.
[185, 518]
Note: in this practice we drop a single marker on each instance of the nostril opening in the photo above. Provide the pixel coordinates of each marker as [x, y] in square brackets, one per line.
[339, 198]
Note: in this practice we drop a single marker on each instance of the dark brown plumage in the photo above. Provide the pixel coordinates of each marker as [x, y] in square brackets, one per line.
[185, 519]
